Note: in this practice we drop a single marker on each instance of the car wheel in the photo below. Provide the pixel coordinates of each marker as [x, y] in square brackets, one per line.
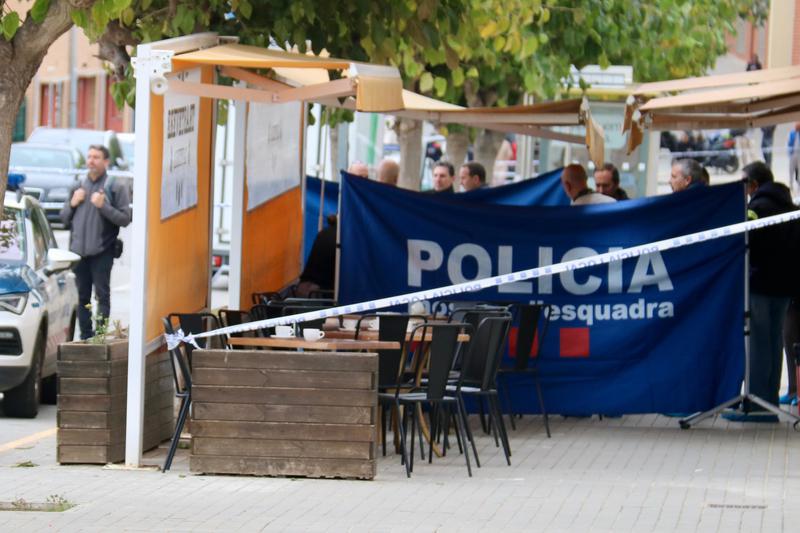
[23, 400]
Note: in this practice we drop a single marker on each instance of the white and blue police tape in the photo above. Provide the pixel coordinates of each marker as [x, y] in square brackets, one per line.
[485, 283]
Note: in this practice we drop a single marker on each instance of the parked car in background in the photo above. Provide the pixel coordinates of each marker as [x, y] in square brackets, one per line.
[53, 169]
[38, 305]
[126, 143]
[82, 139]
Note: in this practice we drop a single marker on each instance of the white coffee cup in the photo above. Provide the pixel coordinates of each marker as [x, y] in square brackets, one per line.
[349, 323]
[284, 331]
[311, 334]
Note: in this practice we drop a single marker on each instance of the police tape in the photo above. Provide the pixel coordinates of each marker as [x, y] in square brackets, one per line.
[486, 283]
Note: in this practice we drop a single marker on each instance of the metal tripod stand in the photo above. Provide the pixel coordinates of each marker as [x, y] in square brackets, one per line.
[746, 396]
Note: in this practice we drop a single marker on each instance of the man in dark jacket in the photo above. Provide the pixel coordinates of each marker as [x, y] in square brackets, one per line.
[320, 270]
[772, 274]
[95, 211]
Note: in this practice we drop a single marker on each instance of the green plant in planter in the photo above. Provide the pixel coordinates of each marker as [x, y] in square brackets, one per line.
[102, 328]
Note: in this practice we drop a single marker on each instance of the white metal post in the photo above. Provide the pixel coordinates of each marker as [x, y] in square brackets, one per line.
[237, 205]
[136, 331]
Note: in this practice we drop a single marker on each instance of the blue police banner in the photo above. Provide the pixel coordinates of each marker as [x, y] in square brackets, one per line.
[311, 211]
[660, 332]
[544, 189]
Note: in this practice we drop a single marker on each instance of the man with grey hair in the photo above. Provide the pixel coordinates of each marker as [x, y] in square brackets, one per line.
[686, 174]
[575, 183]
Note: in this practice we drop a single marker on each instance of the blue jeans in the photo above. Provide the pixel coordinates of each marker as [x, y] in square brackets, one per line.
[766, 344]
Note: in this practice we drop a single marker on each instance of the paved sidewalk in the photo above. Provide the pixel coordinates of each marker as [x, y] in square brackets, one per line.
[636, 473]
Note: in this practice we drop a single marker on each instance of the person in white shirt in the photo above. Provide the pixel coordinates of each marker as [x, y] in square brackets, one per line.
[575, 183]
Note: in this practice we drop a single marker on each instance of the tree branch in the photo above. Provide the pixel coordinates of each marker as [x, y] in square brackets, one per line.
[113, 45]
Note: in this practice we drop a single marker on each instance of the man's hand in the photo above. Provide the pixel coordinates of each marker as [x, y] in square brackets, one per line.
[77, 197]
[98, 199]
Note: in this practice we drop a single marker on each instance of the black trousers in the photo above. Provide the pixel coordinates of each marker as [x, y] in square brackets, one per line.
[93, 270]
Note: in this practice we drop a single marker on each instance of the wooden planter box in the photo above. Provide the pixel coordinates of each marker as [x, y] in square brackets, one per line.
[92, 399]
[277, 413]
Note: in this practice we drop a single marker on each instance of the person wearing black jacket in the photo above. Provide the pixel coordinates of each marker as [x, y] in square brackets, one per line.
[773, 273]
[320, 270]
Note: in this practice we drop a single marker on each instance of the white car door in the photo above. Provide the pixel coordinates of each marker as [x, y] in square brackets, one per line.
[53, 288]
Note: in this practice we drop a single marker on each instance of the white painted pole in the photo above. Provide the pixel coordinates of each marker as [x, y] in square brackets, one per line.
[136, 332]
[237, 205]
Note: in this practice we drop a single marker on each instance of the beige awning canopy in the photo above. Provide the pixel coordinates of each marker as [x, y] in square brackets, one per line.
[375, 88]
[535, 120]
[741, 100]
[371, 88]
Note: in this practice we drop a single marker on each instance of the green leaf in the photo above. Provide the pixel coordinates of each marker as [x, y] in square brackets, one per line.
[440, 84]
[458, 77]
[473, 72]
[127, 17]
[529, 46]
[426, 82]
[79, 17]
[10, 25]
[489, 29]
[39, 10]
[246, 9]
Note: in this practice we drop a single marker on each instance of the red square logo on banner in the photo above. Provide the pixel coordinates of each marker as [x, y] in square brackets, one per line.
[574, 342]
[513, 335]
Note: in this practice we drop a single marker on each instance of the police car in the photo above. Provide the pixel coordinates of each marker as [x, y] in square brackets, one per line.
[38, 303]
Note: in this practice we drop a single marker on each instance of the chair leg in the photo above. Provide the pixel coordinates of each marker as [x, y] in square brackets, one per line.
[384, 412]
[463, 438]
[446, 424]
[420, 418]
[402, 430]
[541, 403]
[176, 437]
[482, 415]
[508, 402]
[466, 432]
[498, 418]
[413, 431]
[433, 428]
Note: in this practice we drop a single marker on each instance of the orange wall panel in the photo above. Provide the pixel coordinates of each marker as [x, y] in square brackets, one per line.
[272, 236]
[178, 254]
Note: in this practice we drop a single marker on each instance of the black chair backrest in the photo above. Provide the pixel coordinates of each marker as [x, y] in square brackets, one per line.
[392, 327]
[328, 294]
[532, 318]
[441, 350]
[485, 349]
[314, 302]
[316, 323]
[264, 297]
[196, 323]
[234, 317]
[180, 367]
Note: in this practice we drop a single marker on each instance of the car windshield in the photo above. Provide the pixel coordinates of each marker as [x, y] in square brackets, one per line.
[12, 243]
[80, 139]
[30, 156]
[127, 151]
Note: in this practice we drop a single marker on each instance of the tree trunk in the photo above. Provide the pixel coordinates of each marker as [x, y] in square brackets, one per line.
[21, 58]
[457, 145]
[409, 135]
[486, 146]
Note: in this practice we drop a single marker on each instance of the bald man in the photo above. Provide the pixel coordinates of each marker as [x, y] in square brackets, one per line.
[389, 172]
[575, 183]
[357, 168]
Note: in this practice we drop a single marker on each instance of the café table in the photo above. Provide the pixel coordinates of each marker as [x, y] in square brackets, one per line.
[329, 344]
[372, 335]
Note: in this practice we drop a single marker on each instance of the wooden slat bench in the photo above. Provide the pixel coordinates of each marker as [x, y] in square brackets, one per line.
[284, 413]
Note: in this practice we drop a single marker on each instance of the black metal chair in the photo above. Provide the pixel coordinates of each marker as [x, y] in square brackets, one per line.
[183, 390]
[265, 297]
[291, 309]
[533, 321]
[392, 327]
[479, 373]
[235, 317]
[197, 323]
[441, 350]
